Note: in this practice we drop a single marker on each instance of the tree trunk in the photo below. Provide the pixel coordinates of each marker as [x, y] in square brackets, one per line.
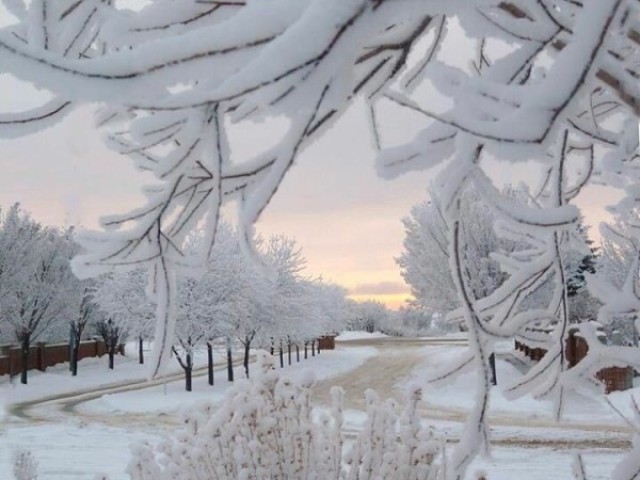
[247, 347]
[75, 353]
[306, 355]
[112, 354]
[297, 353]
[289, 351]
[492, 364]
[210, 362]
[140, 351]
[72, 337]
[318, 346]
[188, 373]
[313, 348]
[281, 356]
[229, 361]
[271, 350]
[25, 343]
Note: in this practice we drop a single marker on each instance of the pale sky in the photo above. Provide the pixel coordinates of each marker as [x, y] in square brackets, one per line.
[346, 219]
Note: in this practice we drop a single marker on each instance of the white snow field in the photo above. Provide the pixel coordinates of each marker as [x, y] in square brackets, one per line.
[78, 436]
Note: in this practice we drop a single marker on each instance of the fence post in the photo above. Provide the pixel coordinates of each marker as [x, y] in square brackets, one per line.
[40, 357]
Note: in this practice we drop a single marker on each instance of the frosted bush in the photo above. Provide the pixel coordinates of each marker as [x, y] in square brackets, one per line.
[267, 428]
[25, 466]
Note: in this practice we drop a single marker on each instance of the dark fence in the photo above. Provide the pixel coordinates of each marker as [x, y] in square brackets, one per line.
[44, 355]
[576, 348]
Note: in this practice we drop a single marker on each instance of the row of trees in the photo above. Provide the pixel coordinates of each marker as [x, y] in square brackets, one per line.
[40, 297]
[262, 300]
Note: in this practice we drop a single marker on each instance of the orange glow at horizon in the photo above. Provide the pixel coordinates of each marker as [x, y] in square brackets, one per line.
[393, 301]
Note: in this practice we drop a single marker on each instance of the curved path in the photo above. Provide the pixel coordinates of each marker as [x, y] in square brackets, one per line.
[56, 407]
[398, 357]
[395, 361]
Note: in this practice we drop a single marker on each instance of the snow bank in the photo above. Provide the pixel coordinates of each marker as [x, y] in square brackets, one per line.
[57, 380]
[455, 395]
[92, 373]
[357, 335]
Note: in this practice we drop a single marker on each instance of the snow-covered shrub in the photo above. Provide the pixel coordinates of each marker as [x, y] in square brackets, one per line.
[25, 466]
[394, 447]
[267, 429]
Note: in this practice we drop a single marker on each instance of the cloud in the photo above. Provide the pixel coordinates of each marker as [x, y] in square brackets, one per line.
[380, 288]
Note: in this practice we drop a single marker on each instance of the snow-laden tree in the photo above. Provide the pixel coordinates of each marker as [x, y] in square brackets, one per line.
[581, 262]
[367, 316]
[52, 312]
[318, 309]
[235, 289]
[236, 294]
[87, 312]
[554, 81]
[227, 294]
[616, 282]
[192, 325]
[620, 245]
[18, 235]
[287, 304]
[122, 296]
[42, 293]
[424, 262]
[415, 322]
[113, 332]
[332, 303]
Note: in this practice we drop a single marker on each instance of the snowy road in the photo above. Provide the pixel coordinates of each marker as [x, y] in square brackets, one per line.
[398, 357]
[55, 427]
[52, 409]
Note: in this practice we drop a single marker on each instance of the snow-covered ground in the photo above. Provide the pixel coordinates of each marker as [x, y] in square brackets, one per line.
[92, 373]
[171, 398]
[584, 408]
[74, 439]
[81, 436]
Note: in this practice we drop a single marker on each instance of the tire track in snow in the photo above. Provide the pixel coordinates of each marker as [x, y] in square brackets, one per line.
[398, 358]
[50, 409]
